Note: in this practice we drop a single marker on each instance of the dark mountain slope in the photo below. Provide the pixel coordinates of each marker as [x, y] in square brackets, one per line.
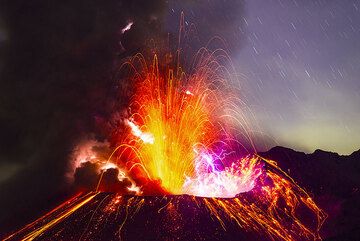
[334, 182]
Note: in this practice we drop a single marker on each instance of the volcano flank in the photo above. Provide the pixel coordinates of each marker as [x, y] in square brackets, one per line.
[110, 216]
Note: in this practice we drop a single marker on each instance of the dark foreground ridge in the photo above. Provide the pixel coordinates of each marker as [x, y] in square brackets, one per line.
[331, 179]
[334, 182]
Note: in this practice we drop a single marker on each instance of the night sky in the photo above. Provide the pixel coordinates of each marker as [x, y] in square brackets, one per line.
[297, 64]
[301, 61]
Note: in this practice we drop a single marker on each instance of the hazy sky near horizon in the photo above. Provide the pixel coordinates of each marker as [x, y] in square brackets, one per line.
[299, 66]
[301, 60]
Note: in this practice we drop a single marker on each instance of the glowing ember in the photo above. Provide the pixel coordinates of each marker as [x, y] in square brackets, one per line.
[127, 27]
[135, 189]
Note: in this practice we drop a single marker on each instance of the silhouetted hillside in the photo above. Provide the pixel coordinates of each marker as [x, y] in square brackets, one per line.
[334, 182]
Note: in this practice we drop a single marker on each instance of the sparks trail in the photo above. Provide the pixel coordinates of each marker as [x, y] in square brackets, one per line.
[175, 128]
[52, 218]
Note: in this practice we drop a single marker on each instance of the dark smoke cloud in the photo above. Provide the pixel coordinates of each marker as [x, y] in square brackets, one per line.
[55, 77]
[57, 65]
[111, 183]
[87, 177]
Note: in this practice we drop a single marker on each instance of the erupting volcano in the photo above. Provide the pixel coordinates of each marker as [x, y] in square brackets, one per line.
[180, 142]
[178, 132]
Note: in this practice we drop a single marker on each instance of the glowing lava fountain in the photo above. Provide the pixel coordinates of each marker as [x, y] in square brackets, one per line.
[179, 133]
[182, 136]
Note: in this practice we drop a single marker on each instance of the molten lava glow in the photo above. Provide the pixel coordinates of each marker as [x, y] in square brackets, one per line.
[179, 133]
[135, 189]
[145, 137]
[127, 27]
[171, 123]
[239, 177]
